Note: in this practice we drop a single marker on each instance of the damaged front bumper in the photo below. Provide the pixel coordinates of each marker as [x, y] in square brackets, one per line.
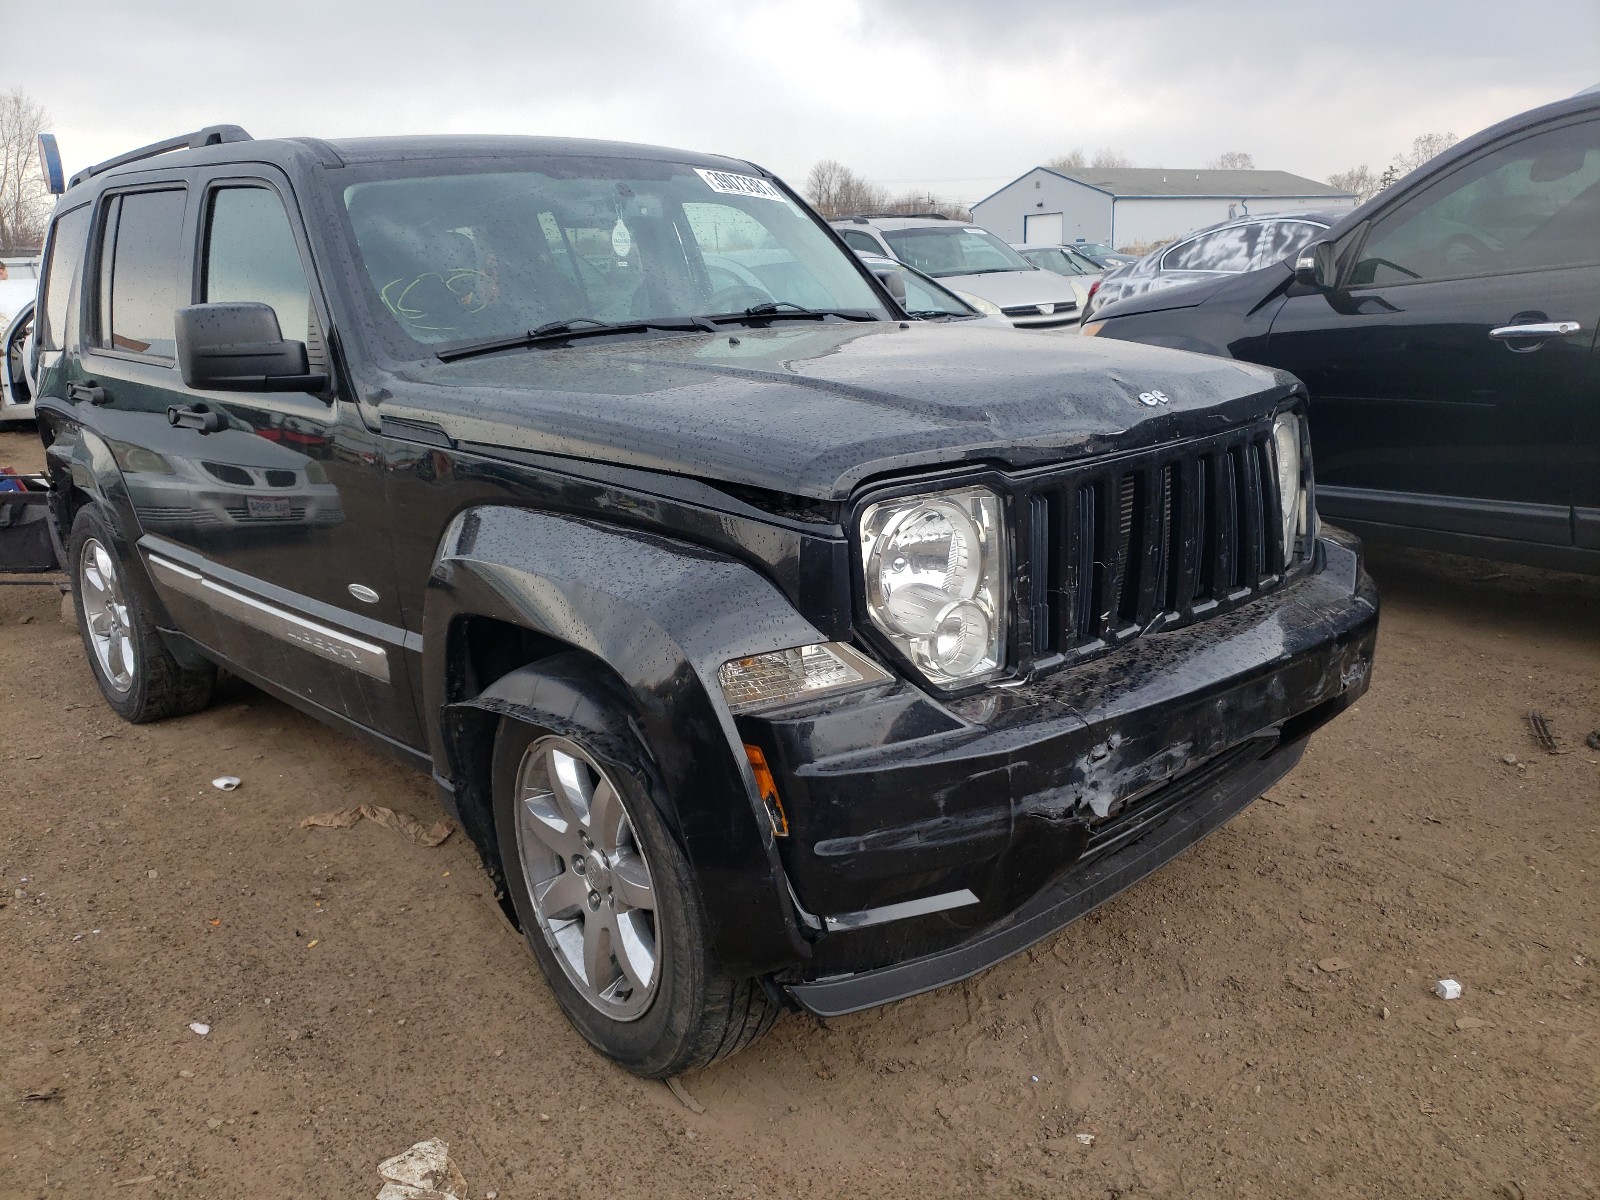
[929, 841]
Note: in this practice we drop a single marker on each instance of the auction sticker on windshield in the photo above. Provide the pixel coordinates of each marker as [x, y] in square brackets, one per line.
[740, 185]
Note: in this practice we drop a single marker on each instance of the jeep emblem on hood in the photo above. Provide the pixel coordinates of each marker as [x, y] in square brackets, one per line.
[1153, 398]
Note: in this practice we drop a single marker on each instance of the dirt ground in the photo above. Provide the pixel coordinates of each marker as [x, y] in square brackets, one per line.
[1255, 1020]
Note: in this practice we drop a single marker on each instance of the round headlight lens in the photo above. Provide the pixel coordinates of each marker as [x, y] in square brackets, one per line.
[935, 578]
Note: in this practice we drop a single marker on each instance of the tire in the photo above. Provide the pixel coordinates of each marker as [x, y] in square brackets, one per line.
[137, 674]
[690, 1011]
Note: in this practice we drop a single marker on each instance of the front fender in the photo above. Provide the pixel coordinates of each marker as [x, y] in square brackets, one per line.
[663, 616]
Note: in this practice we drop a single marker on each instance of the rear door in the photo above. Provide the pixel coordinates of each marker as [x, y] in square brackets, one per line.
[1447, 372]
[258, 533]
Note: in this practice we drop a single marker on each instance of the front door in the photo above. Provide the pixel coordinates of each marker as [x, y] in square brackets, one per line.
[264, 533]
[1447, 370]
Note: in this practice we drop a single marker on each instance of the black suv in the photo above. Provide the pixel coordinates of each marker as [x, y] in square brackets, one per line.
[770, 647]
[1446, 331]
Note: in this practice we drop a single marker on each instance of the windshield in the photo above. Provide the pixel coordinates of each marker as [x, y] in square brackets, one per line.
[954, 250]
[461, 252]
[1062, 262]
[1098, 249]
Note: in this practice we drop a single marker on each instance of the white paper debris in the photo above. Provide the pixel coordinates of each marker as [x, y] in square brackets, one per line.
[1084, 1139]
[423, 1172]
[200, 1028]
[225, 783]
[1447, 989]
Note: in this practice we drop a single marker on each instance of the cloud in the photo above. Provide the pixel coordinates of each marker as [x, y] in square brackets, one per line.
[952, 96]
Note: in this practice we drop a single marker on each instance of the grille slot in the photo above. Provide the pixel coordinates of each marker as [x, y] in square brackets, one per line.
[1153, 540]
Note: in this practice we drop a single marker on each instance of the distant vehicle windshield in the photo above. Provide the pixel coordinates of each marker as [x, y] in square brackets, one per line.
[954, 250]
[1059, 260]
[460, 253]
[1095, 249]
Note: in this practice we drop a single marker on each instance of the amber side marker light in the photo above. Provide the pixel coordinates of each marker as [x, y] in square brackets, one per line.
[767, 789]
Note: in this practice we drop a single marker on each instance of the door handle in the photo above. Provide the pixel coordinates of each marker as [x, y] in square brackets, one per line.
[87, 390]
[202, 418]
[1540, 329]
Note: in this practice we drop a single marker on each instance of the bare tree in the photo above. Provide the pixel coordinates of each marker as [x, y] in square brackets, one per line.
[1360, 181]
[1233, 160]
[24, 199]
[1073, 160]
[1106, 157]
[1423, 147]
[837, 191]
[927, 202]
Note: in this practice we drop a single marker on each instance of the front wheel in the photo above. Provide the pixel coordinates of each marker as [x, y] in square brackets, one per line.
[604, 895]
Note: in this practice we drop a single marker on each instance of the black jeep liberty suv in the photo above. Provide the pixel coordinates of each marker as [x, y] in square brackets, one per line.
[773, 648]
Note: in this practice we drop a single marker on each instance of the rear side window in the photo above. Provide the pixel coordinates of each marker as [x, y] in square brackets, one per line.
[1531, 205]
[139, 276]
[1229, 250]
[251, 255]
[67, 240]
[1279, 239]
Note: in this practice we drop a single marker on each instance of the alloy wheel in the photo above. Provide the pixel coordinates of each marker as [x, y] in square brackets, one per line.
[106, 615]
[587, 877]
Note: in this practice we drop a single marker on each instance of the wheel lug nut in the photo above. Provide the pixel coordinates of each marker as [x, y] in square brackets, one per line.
[578, 864]
[594, 901]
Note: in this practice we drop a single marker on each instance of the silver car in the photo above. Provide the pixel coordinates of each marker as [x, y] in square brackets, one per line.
[974, 264]
[1228, 248]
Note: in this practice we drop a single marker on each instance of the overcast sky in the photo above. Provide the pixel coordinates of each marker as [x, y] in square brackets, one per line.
[955, 97]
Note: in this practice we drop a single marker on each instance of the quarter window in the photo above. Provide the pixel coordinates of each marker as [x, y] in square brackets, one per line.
[861, 242]
[1532, 205]
[139, 272]
[61, 268]
[251, 256]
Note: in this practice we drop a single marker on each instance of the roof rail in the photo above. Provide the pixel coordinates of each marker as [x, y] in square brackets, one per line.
[211, 135]
[922, 216]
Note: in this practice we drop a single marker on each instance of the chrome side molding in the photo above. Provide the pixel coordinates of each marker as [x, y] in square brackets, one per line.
[899, 912]
[331, 644]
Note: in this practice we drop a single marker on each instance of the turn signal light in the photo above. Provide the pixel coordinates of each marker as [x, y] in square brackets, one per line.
[767, 789]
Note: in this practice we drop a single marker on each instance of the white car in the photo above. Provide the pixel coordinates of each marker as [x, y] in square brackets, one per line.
[974, 264]
[17, 366]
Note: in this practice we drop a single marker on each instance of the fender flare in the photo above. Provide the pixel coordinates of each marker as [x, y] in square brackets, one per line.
[662, 616]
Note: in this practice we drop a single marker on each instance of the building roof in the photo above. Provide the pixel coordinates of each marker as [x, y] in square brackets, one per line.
[1190, 182]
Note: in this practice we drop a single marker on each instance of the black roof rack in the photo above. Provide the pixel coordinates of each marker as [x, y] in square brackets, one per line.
[211, 135]
[923, 216]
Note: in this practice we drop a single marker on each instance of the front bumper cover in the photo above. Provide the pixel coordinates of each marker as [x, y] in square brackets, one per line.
[931, 840]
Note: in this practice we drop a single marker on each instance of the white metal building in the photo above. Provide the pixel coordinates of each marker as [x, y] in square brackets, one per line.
[1125, 206]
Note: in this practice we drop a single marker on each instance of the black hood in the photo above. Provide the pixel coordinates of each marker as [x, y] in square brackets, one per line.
[814, 410]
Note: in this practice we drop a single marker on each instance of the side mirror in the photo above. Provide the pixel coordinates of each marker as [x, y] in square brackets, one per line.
[239, 348]
[1314, 266]
[895, 282]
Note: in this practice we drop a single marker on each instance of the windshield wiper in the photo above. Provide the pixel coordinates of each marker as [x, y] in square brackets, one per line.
[788, 310]
[575, 327]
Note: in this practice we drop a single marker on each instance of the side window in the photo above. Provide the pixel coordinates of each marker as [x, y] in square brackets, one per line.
[61, 264]
[251, 255]
[863, 242]
[1279, 239]
[1531, 205]
[139, 272]
[1223, 250]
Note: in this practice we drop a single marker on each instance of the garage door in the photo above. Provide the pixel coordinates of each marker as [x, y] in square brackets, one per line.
[1041, 229]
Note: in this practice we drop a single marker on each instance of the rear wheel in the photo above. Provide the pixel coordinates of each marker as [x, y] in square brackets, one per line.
[605, 896]
[137, 674]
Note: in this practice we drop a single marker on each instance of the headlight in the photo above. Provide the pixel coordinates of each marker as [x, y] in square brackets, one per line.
[1292, 497]
[935, 573]
[315, 474]
[987, 307]
[137, 459]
